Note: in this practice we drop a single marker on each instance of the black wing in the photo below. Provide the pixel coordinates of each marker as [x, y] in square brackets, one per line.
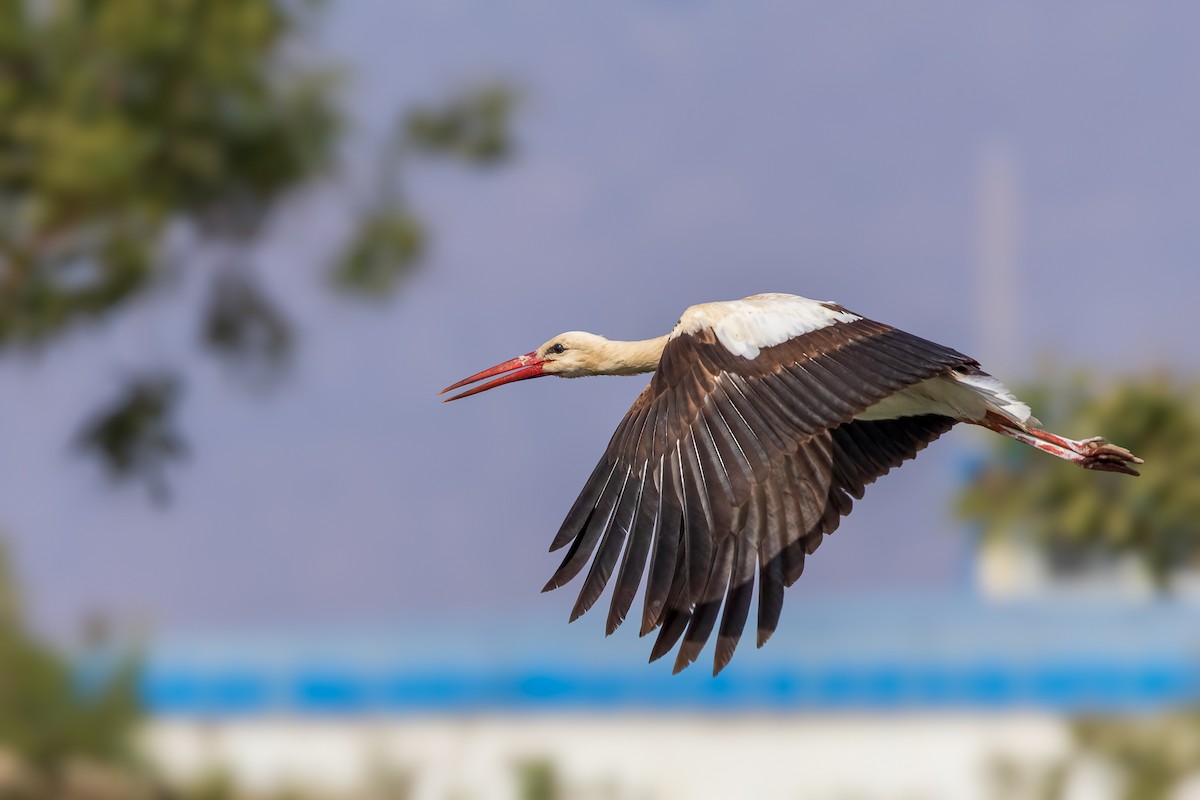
[726, 468]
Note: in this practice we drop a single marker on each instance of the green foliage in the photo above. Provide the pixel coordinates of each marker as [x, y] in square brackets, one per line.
[1155, 516]
[384, 251]
[144, 136]
[119, 119]
[537, 779]
[1150, 758]
[473, 126]
[245, 327]
[47, 714]
[1152, 755]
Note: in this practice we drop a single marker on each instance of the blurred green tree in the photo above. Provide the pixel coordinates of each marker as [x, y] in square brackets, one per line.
[1153, 756]
[1149, 757]
[144, 137]
[48, 712]
[1062, 510]
[537, 779]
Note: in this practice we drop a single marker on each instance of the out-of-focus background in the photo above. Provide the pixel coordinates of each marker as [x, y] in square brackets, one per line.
[246, 553]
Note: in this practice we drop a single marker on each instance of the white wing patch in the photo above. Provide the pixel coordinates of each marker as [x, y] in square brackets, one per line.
[746, 326]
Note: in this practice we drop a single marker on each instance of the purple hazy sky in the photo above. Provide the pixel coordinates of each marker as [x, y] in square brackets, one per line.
[670, 153]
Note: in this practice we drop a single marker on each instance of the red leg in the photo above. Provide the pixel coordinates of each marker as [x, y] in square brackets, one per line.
[1091, 453]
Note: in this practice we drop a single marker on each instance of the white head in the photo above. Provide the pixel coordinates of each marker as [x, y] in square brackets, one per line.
[569, 355]
[573, 354]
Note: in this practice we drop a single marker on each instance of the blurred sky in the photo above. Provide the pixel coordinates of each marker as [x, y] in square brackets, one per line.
[670, 153]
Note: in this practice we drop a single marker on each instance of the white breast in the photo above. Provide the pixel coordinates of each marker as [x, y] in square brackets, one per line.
[746, 326]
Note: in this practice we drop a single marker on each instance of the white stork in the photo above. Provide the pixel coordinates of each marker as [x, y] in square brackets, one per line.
[765, 418]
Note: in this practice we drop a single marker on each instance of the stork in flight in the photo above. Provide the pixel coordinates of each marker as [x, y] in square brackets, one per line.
[765, 419]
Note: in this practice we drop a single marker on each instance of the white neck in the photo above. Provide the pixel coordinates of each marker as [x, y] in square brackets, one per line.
[627, 358]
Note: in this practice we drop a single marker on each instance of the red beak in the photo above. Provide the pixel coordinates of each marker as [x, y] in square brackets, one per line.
[518, 369]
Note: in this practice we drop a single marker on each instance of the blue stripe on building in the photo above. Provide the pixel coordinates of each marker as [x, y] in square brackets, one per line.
[871, 654]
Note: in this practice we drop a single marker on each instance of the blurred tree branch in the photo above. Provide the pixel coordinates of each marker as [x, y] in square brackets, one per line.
[473, 127]
[135, 435]
[127, 128]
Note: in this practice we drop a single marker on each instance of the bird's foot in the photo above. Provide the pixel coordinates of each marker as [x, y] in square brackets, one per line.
[1091, 453]
[1107, 457]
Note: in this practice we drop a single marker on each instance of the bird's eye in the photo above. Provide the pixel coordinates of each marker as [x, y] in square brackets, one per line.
[557, 349]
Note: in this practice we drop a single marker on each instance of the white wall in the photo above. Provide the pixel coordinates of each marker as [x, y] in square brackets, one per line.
[689, 757]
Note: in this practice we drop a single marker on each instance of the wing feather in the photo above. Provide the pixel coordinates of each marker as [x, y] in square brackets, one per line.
[748, 442]
[637, 550]
[678, 611]
[738, 469]
[708, 607]
[665, 561]
[698, 528]
[789, 521]
[596, 523]
[740, 591]
[582, 509]
[609, 550]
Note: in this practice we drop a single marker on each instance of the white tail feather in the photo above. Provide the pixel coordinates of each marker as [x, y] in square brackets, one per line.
[964, 397]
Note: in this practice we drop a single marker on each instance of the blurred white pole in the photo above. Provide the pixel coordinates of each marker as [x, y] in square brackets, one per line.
[1002, 568]
[999, 234]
